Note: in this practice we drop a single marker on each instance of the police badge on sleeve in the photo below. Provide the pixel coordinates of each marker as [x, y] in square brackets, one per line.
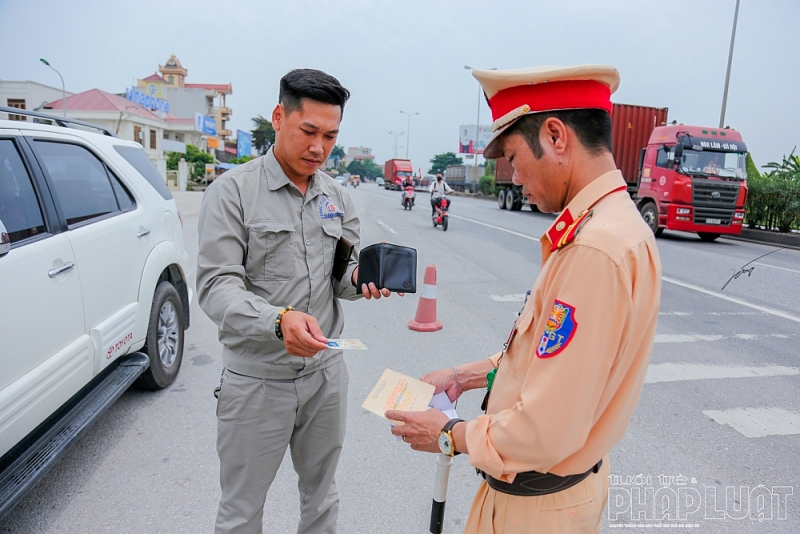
[558, 330]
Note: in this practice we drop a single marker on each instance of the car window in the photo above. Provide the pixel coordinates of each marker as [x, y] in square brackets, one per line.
[19, 206]
[665, 159]
[80, 180]
[139, 160]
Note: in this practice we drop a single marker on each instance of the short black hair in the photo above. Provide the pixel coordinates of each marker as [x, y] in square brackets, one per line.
[591, 126]
[312, 84]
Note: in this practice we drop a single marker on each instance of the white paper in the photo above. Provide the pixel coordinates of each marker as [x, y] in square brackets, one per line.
[441, 402]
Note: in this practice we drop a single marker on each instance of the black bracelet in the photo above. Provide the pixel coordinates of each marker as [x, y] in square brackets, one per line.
[281, 313]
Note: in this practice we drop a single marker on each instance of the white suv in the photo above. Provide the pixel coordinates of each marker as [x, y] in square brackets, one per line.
[93, 292]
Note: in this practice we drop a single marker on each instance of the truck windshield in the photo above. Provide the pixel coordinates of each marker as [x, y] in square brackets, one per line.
[712, 163]
[403, 174]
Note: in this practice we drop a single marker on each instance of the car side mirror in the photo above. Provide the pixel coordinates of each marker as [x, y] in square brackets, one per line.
[5, 241]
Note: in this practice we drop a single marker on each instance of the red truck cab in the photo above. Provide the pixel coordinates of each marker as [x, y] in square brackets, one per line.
[395, 171]
[684, 178]
[693, 179]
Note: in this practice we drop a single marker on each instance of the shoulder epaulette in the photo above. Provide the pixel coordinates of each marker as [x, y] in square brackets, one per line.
[572, 231]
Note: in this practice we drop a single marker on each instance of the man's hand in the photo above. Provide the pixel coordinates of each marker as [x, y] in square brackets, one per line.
[371, 292]
[302, 335]
[419, 429]
[444, 380]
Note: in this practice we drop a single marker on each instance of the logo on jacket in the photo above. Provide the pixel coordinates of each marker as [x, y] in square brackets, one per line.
[327, 210]
[558, 330]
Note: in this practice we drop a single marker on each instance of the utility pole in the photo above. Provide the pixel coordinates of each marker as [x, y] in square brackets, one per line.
[396, 135]
[728, 73]
[63, 90]
[408, 137]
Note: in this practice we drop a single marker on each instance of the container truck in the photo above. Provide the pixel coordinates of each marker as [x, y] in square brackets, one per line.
[463, 178]
[685, 178]
[395, 171]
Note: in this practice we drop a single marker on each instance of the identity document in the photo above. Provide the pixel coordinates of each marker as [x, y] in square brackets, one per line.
[396, 391]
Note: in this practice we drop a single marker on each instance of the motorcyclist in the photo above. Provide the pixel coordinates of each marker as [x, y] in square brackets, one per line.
[441, 187]
[407, 182]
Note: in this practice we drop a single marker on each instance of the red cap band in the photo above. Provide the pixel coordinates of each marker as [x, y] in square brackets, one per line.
[570, 94]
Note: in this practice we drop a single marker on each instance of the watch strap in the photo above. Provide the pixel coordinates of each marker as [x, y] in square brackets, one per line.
[450, 424]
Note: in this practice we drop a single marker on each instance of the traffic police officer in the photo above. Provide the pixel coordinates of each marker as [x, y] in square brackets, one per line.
[564, 387]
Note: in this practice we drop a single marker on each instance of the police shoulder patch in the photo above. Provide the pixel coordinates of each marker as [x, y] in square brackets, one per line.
[558, 331]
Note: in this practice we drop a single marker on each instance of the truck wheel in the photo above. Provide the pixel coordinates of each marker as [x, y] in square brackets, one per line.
[534, 208]
[517, 206]
[510, 199]
[650, 215]
[501, 199]
[707, 236]
[164, 343]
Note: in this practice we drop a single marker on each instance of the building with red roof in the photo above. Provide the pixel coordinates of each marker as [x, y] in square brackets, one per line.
[187, 99]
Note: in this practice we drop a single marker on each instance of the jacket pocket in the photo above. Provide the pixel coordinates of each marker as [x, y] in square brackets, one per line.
[270, 250]
[332, 231]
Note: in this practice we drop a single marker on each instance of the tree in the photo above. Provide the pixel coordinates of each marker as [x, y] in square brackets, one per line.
[370, 169]
[338, 155]
[355, 167]
[441, 161]
[195, 157]
[263, 134]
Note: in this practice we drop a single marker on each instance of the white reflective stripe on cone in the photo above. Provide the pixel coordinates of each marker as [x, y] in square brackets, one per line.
[428, 292]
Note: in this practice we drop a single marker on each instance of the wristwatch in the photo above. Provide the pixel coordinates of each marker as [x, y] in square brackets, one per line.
[446, 443]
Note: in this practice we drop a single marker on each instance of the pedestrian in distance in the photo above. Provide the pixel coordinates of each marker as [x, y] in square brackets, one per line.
[266, 276]
[562, 390]
[437, 190]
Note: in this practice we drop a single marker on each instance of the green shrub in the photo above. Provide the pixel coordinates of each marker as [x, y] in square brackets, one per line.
[486, 185]
[774, 197]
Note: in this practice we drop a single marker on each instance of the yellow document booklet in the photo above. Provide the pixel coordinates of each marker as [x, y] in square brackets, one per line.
[396, 391]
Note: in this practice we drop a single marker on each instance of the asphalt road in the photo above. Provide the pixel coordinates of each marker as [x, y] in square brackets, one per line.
[717, 429]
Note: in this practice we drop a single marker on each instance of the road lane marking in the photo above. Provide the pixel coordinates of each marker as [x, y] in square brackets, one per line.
[776, 267]
[758, 422]
[676, 372]
[496, 227]
[732, 299]
[693, 338]
[693, 287]
[385, 227]
[685, 338]
[517, 297]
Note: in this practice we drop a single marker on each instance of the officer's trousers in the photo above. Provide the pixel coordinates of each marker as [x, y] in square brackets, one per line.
[575, 510]
[256, 420]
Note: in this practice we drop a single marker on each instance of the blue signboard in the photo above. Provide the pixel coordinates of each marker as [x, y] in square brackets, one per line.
[205, 124]
[244, 144]
[151, 103]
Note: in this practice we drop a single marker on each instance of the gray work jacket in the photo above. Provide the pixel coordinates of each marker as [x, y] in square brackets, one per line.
[263, 246]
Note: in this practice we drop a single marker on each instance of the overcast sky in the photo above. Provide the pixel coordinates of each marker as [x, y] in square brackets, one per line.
[410, 56]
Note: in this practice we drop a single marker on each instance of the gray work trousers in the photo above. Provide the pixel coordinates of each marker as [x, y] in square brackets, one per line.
[256, 420]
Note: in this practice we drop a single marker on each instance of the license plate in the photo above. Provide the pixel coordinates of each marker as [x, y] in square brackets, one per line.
[713, 221]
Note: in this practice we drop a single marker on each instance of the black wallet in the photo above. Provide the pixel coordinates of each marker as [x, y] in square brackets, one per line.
[388, 266]
[341, 258]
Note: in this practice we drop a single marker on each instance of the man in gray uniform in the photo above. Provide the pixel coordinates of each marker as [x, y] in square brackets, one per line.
[268, 234]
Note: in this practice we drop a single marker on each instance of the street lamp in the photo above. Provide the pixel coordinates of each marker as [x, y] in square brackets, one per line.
[396, 135]
[63, 91]
[408, 138]
[478, 125]
[728, 73]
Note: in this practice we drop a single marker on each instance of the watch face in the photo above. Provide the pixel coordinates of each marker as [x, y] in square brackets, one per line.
[445, 445]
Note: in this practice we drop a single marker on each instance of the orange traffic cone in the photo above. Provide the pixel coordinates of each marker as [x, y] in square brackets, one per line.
[426, 320]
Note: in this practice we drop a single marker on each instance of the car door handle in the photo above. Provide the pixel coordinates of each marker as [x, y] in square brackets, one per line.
[64, 268]
[143, 233]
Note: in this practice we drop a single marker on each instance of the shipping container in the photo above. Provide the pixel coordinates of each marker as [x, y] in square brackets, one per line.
[631, 127]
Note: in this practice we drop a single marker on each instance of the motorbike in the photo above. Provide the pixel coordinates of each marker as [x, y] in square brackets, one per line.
[441, 215]
[408, 197]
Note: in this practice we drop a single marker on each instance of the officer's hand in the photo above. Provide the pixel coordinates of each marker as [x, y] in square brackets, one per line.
[444, 380]
[302, 335]
[370, 291]
[419, 429]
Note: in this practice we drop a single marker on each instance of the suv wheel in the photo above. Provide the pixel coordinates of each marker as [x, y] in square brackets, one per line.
[164, 344]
